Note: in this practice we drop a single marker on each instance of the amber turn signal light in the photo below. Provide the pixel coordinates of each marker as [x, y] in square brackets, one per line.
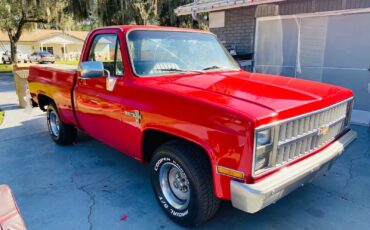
[230, 172]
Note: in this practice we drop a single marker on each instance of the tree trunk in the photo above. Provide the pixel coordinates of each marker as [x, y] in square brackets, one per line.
[13, 51]
[145, 21]
[122, 12]
[138, 20]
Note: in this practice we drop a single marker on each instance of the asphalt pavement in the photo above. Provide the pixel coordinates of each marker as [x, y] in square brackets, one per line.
[91, 186]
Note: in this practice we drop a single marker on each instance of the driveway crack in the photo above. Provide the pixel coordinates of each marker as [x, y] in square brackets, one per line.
[350, 169]
[350, 173]
[84, 190]
[92, 205]
[340, 196]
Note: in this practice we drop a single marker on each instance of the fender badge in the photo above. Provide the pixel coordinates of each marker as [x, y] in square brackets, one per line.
[135, 114]
[323, 130]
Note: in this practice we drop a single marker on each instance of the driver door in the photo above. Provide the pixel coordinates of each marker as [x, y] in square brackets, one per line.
[99, 110]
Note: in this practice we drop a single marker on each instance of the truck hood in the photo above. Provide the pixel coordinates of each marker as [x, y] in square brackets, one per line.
[263, 96]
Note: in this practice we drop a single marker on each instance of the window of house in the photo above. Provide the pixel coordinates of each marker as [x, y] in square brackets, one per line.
[49, 49]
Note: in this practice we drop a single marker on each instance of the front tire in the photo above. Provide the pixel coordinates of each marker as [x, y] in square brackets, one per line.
[61, 133]
[182, 182]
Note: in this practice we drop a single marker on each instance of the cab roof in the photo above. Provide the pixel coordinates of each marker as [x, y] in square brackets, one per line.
[159, 28]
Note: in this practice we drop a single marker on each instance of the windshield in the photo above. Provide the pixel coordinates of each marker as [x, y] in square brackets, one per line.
[46, 54]
[165, 52]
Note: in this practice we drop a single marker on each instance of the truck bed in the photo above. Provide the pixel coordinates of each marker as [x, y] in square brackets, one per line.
[55, 82]
[58, 67]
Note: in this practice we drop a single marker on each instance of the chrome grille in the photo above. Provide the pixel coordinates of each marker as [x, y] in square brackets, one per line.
[307, 134]
[297, 137]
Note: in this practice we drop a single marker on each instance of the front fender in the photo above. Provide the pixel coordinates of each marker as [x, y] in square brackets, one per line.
[224, 145]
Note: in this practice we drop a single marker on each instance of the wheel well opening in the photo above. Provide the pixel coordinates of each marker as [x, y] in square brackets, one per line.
[44, 101]
[152, 140]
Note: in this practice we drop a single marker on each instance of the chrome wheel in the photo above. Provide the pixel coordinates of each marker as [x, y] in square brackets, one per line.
[174, 185]
[54, 123]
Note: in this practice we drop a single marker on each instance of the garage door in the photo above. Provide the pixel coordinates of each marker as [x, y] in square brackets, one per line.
[329, 48]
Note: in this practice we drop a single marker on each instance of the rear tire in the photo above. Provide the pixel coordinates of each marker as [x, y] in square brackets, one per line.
[61, 133]
[182, 182]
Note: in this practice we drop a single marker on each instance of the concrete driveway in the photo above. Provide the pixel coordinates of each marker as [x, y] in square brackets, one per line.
[91, 186]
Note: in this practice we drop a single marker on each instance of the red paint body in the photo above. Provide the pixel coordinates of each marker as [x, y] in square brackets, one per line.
[217, 110]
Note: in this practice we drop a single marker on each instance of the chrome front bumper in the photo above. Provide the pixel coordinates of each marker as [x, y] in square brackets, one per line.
[252, 198]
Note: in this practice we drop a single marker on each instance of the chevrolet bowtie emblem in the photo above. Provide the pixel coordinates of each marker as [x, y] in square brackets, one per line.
[323, 130]
[135, 114]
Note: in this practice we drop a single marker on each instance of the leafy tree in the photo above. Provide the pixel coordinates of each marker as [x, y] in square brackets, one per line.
[140, 12]
[168, 17]
[114, 12]
[105, 12]
[16, 15]
[146, 11]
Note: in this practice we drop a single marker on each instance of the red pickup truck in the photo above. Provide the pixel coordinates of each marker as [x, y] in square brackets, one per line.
[176, 99]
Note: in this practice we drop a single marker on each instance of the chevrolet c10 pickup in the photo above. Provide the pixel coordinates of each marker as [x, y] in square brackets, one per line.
[175, 99]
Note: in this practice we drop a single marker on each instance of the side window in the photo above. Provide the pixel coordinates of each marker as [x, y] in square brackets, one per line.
[106, 49]
[119, 62]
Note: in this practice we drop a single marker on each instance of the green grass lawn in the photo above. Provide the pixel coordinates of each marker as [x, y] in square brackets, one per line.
[9, 68]
[6, 68]
[75, 62]
[2, 114]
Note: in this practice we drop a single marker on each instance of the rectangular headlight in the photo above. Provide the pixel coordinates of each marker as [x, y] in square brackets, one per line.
[263, 137]
[263, 149]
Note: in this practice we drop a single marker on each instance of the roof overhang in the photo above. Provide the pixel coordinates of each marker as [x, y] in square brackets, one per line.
[61, 39]
[201, 6]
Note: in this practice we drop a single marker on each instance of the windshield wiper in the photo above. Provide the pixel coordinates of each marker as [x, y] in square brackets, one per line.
[171, 70]
[177, 70]
[213, 67]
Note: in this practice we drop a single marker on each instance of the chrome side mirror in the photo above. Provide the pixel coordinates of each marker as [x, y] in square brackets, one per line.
[95, 69]
[91, 69]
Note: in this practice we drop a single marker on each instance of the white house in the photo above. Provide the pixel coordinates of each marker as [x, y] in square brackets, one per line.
[65, 45]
